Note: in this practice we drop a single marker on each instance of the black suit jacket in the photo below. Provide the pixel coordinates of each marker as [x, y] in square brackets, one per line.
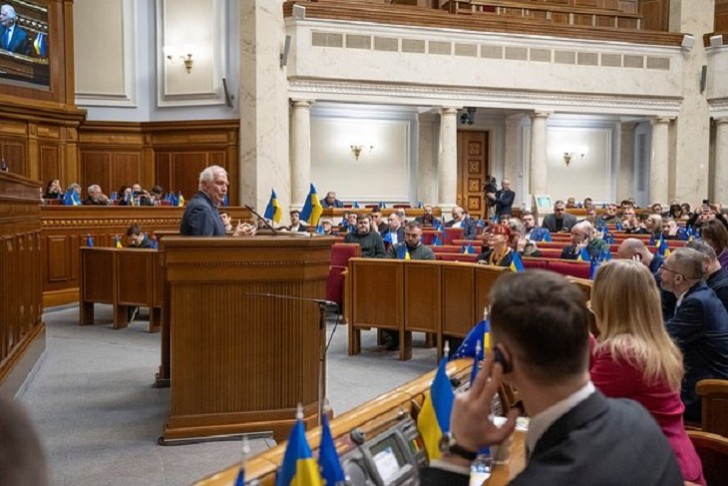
[18, 42]
[600, 442]
[549, 222]
[470, 227]
[700, 329]
[718, 282]
[201, 218]
[503, 202]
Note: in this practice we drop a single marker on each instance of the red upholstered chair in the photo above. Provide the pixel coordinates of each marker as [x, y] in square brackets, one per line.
[550, 252]
[428, 236]
[457, 257]
[450, 234]
[575, 269]
[340, 254]
[446, 249]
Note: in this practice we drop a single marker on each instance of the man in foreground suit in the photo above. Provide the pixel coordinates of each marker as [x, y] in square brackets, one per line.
[539, 324]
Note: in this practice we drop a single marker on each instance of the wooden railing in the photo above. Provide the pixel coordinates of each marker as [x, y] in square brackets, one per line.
[432, 18]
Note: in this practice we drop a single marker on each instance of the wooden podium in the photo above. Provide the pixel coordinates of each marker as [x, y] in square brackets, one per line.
[239, 362]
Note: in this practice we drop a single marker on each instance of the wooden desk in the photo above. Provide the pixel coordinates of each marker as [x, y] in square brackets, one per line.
[409, 212]
[240, 362]
[123, 278]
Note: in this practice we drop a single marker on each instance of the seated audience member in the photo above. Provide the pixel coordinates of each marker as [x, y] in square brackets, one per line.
[371, 243]
[519, 242]
[686, 210]
[571, 203]
[75, 187]
[593, 218]
[22, 458]
[588, 203]
[394, 233]
[156, 195]
[53, 190]
[95, 197]
[330, 201]
[653, 225]
[503, 218]
[624, 206]
[136, 239]
[610, 214]
[412, 243]
[676, 211]
[715, 276]
[635, 357]
[227, 221]
[584, 236]
[671, 230]
[699, 326]
[498, 253]
[533, 232]
[124, 196]
[656, 208]
[576, 436]
[559, 220]
[402, 215]
[327, 227]
[136, 188]
[714, 233]
[631, 223]
[634, 249]
[378, 224]
[428, 219]
[296, 224]
[462, 220]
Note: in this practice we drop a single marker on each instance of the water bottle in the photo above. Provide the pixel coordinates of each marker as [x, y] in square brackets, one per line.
[481, 467]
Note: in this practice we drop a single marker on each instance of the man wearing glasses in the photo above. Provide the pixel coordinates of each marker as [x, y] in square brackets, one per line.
[560, 220]
[699, 326]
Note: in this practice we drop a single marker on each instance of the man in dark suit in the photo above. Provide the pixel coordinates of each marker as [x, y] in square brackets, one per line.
[503, 199]
[699, 326]
[716, 277]
[462, 220]
[12, 37]
[539, 326]
[201, 217]
[559, 220]
[394, 234]
[428, 219]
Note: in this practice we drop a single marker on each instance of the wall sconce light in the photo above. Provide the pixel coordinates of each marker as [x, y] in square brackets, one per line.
[577, 154]
[356, 150]
[173, 53]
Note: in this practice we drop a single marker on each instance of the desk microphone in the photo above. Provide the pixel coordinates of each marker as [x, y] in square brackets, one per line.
[291, 297]
[261, 218]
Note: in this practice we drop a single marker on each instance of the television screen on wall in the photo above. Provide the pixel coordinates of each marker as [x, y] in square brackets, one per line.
[24, 43]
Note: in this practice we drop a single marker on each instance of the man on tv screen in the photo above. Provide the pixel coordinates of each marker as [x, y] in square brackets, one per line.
[12, 37]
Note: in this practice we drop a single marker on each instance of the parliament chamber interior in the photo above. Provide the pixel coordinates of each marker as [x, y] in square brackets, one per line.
[438, 126]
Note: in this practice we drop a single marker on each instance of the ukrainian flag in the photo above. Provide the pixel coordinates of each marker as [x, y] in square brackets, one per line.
[40, 44]
[117, 241]
[403, 252]
[181, 200]
[583, 255]
[517, 263]
[662, 247]
[299, 467]
[434, 418]
[312, 209]
[273, 210]
[89, 241]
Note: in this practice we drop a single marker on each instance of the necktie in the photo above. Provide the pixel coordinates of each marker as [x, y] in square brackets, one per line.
[7, 39]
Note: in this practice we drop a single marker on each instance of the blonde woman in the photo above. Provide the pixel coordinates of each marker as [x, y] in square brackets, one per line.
[635, 358]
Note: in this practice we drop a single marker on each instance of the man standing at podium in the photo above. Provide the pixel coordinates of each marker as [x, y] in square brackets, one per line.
[201, 217]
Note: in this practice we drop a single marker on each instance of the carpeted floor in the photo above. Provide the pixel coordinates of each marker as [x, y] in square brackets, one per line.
[91, 399]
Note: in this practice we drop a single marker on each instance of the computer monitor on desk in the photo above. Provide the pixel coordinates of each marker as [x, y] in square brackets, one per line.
[542, 205]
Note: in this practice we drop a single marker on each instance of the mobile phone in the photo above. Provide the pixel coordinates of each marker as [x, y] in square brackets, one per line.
[499, 357]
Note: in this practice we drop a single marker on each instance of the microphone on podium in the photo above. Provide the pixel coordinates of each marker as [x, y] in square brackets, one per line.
[261, 218]
[324, 302]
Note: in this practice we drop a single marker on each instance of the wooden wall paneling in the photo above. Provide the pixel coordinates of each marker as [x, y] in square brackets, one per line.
[458, 299]
[96, 167]
[655, 14]
[721, 16]
[127, 170]
[51, 165]
[163, 170]
[485, 277]
[422, 296]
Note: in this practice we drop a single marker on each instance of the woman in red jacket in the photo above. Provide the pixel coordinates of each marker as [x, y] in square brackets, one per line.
[635, 358]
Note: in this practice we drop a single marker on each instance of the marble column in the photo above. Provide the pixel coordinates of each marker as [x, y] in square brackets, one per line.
[625, 173]
[720, 181]
[426, 160]
[511, 169]
[538, 174]
[264, 107]
[300, 152]
[447, 168]
[659, 161]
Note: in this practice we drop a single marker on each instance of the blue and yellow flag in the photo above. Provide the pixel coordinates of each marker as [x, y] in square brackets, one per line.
[662, 247]
[517, 263]
[437, 241]
[328, 458]
[40, 44]
[403, 252]
[583, 255]
[90, 241]
[593, 267]
[547, 237]
[71, 198]
[478, 334]
[467, 249]
[299, 467]
[312, 208]
[117, 241]
[273, 210]
[434, 418]
[476, 363]
[181, 200]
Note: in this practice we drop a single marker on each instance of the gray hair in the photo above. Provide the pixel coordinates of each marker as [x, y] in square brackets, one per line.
[689, 263]
[209, 173]
[9, 12]
[585, 227]
[704, 248]
[516, 225]
[93, 188]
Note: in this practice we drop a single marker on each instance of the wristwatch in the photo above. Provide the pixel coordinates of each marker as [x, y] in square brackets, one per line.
[450, 446]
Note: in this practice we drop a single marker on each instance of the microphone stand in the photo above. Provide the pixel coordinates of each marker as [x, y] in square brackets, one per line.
[322, 306]
[261, 218]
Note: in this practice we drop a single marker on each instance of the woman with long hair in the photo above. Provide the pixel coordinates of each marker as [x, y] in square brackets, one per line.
[715, 234]
[635, 357]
